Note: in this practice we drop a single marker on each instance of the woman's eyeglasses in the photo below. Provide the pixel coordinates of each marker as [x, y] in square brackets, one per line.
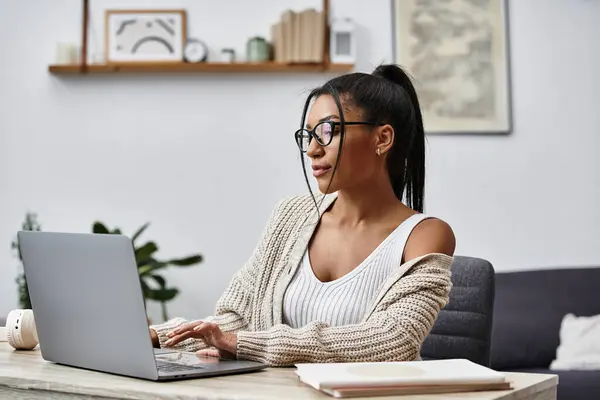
[323, 133]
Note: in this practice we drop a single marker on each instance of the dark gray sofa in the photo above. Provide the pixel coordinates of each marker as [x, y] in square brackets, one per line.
[528, 310]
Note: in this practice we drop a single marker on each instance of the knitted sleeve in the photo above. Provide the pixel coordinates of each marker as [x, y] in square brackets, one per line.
[234, 307]
[395, 330]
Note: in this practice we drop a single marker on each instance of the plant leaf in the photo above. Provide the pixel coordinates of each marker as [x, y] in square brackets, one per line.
[151, 266]
[160, 280]
[99, 227]
[145, 287]
[144, 253]
[186, 262]
[116, 231]
[140, 231]
[144, 269]
[162, 294]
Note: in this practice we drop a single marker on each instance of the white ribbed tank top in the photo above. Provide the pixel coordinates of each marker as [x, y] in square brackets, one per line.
[345, 301]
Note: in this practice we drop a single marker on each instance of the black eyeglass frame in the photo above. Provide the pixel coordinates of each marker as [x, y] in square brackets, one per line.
[312, 132]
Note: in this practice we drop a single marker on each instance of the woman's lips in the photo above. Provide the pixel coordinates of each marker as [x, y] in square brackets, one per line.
[320, 170]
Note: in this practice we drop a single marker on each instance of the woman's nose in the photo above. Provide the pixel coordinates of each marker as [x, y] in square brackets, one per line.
[315, 150]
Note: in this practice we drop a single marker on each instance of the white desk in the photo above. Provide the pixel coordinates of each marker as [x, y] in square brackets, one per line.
[25, 375]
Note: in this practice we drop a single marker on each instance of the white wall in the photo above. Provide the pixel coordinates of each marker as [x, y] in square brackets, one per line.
[205, 157]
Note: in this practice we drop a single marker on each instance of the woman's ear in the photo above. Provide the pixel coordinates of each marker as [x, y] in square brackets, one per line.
[384, 138]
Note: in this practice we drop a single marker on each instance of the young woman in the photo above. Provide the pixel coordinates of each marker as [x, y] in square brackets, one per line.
[351, 274]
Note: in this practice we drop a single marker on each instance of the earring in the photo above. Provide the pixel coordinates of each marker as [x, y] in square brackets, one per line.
[378, 151]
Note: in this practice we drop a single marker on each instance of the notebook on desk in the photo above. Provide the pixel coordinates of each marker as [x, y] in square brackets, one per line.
[397, 378]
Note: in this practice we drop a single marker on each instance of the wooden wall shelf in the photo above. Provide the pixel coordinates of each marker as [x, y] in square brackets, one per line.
[270, 67]
[210, 67]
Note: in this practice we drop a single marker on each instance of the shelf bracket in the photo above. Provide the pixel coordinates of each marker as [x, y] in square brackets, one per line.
[84, 35]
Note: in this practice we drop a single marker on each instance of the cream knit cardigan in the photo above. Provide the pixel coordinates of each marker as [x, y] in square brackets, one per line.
[393, 329]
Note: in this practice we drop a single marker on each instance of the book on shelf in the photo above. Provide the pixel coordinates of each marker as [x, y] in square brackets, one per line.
[299, 37]
[400, 378]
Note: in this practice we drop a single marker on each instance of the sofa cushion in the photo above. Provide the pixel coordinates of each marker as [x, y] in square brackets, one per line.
[572, 385]
[579, 347]
[528, 311]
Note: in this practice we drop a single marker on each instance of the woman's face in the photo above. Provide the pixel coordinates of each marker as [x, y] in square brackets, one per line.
[359, 161]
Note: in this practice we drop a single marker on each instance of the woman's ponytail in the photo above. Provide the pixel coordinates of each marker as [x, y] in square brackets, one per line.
[406, 163]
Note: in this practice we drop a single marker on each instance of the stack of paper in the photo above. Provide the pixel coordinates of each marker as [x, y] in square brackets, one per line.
[401, 378]
[299, 37]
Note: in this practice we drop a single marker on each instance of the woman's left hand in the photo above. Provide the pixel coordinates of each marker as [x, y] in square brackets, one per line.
[211, 334]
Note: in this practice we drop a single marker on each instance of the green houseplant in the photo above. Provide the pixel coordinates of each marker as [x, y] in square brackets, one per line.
[154, 285]
[29, 224]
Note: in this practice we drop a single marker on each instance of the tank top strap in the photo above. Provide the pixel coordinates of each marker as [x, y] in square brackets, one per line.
[403, 233]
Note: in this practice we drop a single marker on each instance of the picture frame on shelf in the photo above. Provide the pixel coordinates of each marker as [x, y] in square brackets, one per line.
[458, 55]
[145, 36]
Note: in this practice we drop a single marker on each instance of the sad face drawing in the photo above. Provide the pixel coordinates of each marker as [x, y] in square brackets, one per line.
[145, 37]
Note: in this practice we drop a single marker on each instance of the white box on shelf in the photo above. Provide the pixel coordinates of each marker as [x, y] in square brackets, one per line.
[342, 48]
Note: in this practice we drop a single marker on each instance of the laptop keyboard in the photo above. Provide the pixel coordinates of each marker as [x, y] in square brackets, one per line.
[172, 361]
[172, 367]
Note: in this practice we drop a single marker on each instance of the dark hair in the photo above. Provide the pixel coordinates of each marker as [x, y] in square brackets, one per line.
[387, 96]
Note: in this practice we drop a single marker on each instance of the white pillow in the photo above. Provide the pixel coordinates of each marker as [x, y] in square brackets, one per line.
[579, 347]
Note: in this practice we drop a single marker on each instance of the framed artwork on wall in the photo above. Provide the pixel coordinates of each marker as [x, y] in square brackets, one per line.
[457, 53]
[145, 35]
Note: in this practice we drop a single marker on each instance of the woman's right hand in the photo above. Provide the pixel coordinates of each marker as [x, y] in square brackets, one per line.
[154, 337]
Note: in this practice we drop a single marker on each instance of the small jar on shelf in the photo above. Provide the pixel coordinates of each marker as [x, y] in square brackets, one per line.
[227, 56]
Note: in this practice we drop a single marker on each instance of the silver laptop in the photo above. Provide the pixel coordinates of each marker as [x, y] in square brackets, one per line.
[89, 310]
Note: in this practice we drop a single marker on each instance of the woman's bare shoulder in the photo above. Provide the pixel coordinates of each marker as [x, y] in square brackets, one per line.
[433, 235]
